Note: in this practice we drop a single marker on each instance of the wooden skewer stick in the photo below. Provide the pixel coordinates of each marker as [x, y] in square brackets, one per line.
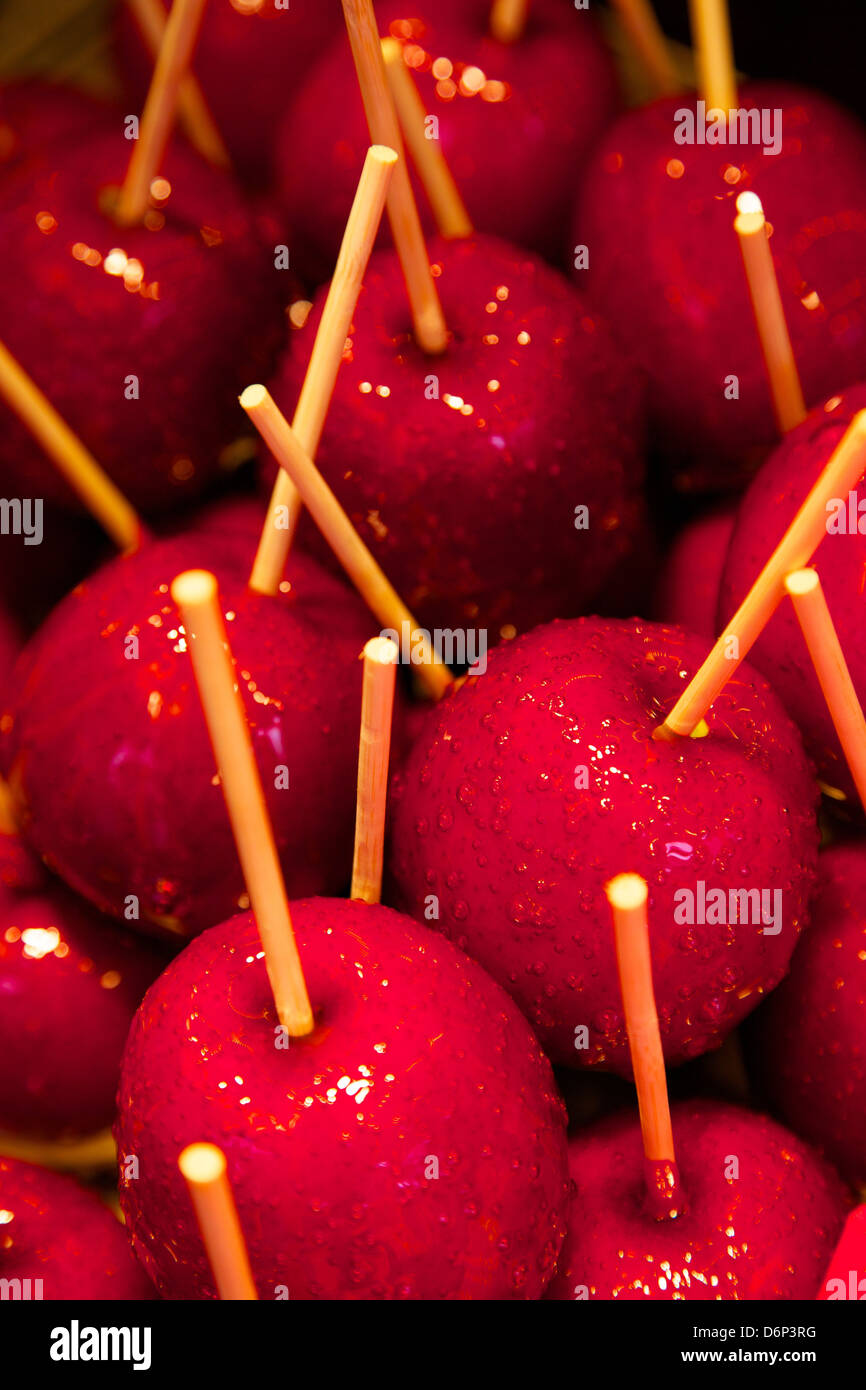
[627, 895]
[831, 668]
[750, 225]
[181, 32]
[846, 1274]
[204, 1170]
[443, 195]
[195, 593]
[638, 19]
[714, 53]
[192, 108]
[379, 595]
[430, 329]
[796, 548]
[315, 398]
[98, 493]
[96, 1151]
[508, 19]
[374, 750]
[9, 821]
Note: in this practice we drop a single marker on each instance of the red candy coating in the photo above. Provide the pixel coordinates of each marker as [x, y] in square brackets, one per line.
[70, 984]
[537, 782]
[454, 467]
[110, 754]
[516, 123]
[666, 270]
[419, 1064]
[808, 1038]
[57, 1231]
[767, 509]
[182, 310]
[764, 1234]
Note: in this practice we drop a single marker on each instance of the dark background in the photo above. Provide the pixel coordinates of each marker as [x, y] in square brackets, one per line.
[818, 44]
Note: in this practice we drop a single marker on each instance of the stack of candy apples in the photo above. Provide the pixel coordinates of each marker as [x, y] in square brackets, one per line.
[353, 827]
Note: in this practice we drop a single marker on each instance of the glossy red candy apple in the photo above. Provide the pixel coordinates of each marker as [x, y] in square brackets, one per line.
[412, 1147]
[516, 122]
[665, 267]
[57, 1232]
[140, 336]
[764, 514]
[250, 55]
[108, 752]
[687, 589]
[534, 783]
[70, 983]
[499, 484]
[763, 1213]
[808, 1039]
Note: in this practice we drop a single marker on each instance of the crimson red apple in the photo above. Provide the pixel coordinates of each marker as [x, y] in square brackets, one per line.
[412, 1147]
[141, 336]
[58, 1233]
[516, 122]
[70, 983]
[107, 749]
[780, 653]
[656, 217]
[807, 1041]
[501, 483]
[762, 1219]
[535, 783]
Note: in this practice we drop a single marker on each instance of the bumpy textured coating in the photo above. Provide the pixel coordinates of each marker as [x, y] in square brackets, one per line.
[764, 513]
[452, 467]
[138, 810]
[412, 1147]
[808, 1040]
[64, 1235]
[666, 270]
[763, 1219]
[536, 783]
[183, 310]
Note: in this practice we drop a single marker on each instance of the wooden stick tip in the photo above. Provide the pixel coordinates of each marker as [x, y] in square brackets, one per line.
[202, 1164]
[627, 892]
[383, 154]
[194, 587]
[382, 650]
[749, 202]
[801, 581]
[253, 396]
[750, 217]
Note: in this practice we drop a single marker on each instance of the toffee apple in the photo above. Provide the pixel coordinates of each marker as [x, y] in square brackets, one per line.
[61, 1236]
[531, 785]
